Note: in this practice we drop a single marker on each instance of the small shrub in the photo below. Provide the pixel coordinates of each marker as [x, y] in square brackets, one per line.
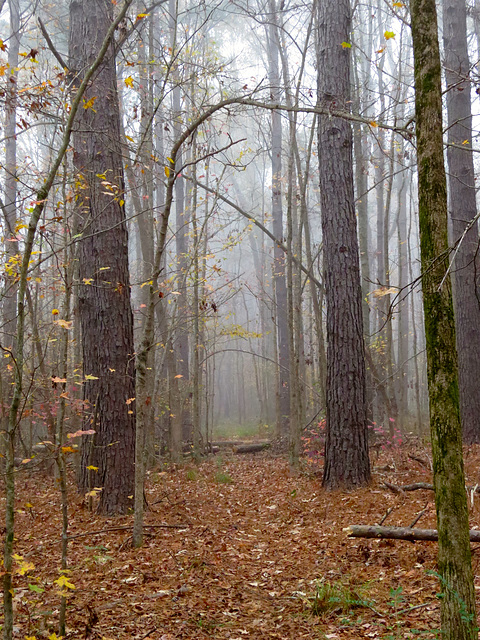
[313, 442]
[335, 597]
[192, 475]
[223, 477]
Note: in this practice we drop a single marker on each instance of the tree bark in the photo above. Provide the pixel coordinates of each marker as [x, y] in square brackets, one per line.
[281, 301]
[10, 187]
[462, 209]
[104, 295]
[346, 449]
[454, 557]
[399, 533]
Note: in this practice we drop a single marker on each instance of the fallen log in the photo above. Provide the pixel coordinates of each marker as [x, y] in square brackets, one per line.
[408, 487]
[226, 443]
[421, 485]
[251, 448]
[399, 533]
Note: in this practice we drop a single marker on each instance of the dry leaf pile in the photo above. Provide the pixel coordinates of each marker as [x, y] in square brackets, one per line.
[260, 551]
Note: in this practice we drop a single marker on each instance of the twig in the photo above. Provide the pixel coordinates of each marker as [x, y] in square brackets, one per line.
[419, 516]
[417, 606]
[51, 46]
[387, 513]
[128, 528]
[420, 461]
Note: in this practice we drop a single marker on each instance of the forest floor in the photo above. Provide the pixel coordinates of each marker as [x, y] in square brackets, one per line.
[258, 544]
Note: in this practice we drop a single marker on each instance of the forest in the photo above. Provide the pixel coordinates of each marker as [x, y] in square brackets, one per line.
[239, 319]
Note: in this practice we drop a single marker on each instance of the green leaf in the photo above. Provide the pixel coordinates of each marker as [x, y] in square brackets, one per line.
[35, 588]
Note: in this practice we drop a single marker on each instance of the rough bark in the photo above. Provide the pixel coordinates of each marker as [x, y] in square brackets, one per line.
[454, 557]
[104, 294]
[462, 209]
[346, 450]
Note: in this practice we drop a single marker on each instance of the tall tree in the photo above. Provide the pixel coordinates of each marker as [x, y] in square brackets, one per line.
[346, 450]
[10, 187]
[104, 287]
[281, 301]
[454, 559]
[463, 209]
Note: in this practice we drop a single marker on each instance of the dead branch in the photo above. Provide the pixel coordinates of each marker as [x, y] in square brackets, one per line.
[420, 461]
[399, 533]
[408, 487]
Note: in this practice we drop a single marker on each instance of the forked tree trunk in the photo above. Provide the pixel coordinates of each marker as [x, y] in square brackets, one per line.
[454, 558]
[346, 450]
[104, 295]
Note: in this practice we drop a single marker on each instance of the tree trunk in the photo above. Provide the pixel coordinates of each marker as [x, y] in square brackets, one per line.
[10, 187]
[454, 558]
[281, 302]
[104, 295]
[399, 533]
[346, 449]
[462, 207]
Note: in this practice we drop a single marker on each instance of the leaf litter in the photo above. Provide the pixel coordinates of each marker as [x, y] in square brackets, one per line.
[261, 556]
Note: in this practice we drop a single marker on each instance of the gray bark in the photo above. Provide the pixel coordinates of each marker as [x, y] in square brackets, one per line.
[462, 209]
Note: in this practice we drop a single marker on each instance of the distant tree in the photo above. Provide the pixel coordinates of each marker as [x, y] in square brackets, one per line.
[104, 287]
[463, 209]
[346, 450]
[454, 558]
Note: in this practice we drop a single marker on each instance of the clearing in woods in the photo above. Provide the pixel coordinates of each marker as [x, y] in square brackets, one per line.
[260, 553]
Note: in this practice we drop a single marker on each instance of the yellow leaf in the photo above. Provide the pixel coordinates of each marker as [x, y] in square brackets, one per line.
[68, 450]
[64, 323]
[55, 312]
[373, 123]
[179, 376]
[167, 171]
[398, 4]
[90, 377]
[92, 468]
[346, 45]
[389, 35]
[384, 291]
[129, 83]
[129, 401]
[88, 104]
[141, 15]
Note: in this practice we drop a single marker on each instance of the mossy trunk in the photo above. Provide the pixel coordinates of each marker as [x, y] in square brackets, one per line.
[454, 559]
